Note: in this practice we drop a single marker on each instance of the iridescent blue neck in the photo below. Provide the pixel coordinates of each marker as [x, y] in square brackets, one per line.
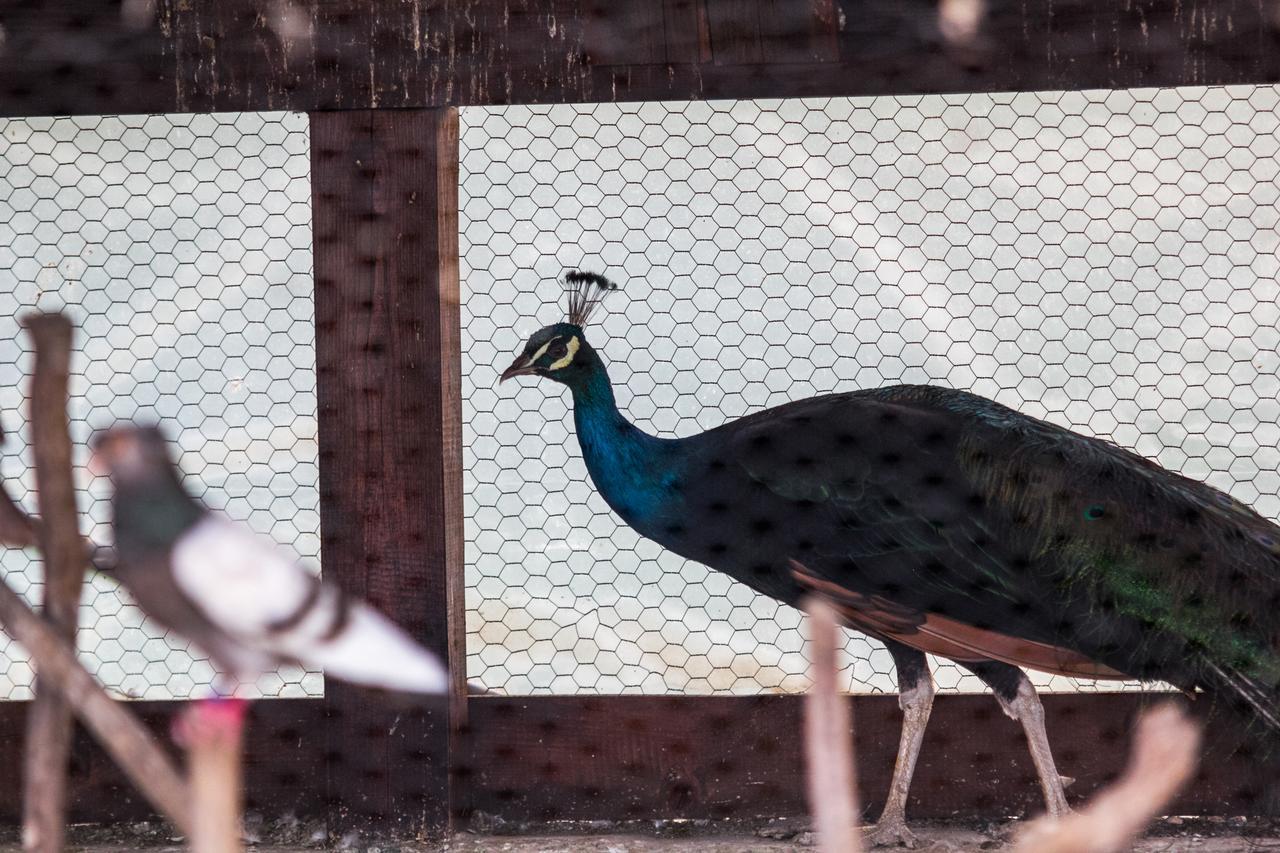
[630, 467]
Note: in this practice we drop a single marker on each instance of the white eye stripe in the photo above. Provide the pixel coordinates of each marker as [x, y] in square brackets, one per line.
[573, 350]
[537, 355]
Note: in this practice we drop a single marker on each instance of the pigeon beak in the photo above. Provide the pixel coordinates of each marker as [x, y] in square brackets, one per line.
[97, 462]
[97, 467]
[522, 366]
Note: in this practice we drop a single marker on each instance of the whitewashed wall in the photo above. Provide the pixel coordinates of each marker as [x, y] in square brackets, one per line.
[181, 245]
[1103, 260]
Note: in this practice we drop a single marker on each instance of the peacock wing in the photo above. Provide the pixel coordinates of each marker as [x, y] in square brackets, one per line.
[961, 509]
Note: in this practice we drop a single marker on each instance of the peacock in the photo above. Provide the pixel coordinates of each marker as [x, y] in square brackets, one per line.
[938, 521]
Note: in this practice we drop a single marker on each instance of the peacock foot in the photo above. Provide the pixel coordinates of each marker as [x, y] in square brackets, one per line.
[889, 832]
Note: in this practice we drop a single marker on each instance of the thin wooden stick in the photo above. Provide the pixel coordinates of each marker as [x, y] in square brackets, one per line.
[129, 744]
[828, 740]
[213, 732]
[49, 720]
[1162, 760]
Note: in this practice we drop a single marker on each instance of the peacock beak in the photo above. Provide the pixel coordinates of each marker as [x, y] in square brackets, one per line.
[522, 366]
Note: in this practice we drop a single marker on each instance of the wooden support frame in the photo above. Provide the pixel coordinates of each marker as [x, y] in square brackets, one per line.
[385, 208]
[49, 729]
[538, 759]
[385, 213]
[90, 57]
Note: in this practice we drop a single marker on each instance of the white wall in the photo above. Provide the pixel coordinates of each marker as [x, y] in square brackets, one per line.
[1103, 260]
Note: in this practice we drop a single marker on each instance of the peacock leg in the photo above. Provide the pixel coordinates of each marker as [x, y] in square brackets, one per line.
[915, 697]
[1020, 702]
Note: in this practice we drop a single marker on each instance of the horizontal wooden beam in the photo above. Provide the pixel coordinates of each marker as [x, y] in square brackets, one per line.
[554, 758]
[284, 766]
[538, 759]
[141, 56]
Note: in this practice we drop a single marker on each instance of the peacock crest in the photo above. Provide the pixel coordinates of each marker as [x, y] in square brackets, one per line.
[586, 291]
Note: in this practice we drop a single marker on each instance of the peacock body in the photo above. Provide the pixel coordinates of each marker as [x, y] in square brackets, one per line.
[951, 524]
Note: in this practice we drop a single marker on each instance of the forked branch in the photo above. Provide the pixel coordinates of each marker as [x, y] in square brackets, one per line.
[62, 684]
[49, 720]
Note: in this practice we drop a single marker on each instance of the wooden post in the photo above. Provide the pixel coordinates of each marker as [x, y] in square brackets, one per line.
[213, 734]
[49, 726]
[125, 739]
[828, 739]
[385, 211]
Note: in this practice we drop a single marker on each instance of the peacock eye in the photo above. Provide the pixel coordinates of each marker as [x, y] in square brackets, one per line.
[557, 349]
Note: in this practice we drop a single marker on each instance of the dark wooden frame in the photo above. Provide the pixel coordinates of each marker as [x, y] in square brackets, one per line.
[539, 759]
[388, 361]
[83, 56]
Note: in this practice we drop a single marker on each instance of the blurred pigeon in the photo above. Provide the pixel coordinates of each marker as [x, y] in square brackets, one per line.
[235, 594]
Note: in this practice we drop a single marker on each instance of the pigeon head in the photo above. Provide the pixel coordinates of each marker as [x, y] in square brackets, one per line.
[560, 351]
[131, 454]
[149, 509]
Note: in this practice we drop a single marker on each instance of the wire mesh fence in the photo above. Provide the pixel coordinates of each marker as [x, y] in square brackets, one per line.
[1104, 260]
[181, 246]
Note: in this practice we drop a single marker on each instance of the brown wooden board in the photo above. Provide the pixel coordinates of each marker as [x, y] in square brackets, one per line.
[284, 770]
[546, 758]
[384, 191]
[86, 56]
[646, 757]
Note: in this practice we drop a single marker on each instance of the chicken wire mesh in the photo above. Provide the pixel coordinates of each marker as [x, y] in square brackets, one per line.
[1104, 260]
[181, 247]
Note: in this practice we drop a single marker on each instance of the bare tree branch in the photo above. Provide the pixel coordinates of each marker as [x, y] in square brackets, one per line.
[49, 721]
[833, 795]
[1162, 760]
[17, 530]
[130, 745]
[60, 677]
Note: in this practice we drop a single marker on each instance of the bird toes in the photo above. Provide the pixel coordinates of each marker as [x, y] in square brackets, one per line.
[889, 833]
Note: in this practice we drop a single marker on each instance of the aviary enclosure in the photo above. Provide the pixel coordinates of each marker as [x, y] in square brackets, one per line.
[308, 238]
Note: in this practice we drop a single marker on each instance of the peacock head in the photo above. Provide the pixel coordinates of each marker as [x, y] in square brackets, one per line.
[560, 351]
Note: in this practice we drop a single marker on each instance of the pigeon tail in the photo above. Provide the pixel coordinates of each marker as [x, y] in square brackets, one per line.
[371, 650]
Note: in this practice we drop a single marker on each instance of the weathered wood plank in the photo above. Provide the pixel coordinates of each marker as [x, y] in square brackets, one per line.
[81, 56]
[550, 758]
[49, 727]
[736, 33]
[284, 762]
[688, 39]
[800, 32]
[541, 758]
[388, 358]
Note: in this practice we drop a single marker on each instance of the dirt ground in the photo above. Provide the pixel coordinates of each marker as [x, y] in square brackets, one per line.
[1214, 836]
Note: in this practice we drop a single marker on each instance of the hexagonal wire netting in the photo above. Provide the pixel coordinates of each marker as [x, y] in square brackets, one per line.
[1103, 260]
[181, 245]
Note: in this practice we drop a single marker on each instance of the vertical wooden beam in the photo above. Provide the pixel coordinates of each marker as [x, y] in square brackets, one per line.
[688, 38]
[735, 28]
[385, 212]
[49, 726]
